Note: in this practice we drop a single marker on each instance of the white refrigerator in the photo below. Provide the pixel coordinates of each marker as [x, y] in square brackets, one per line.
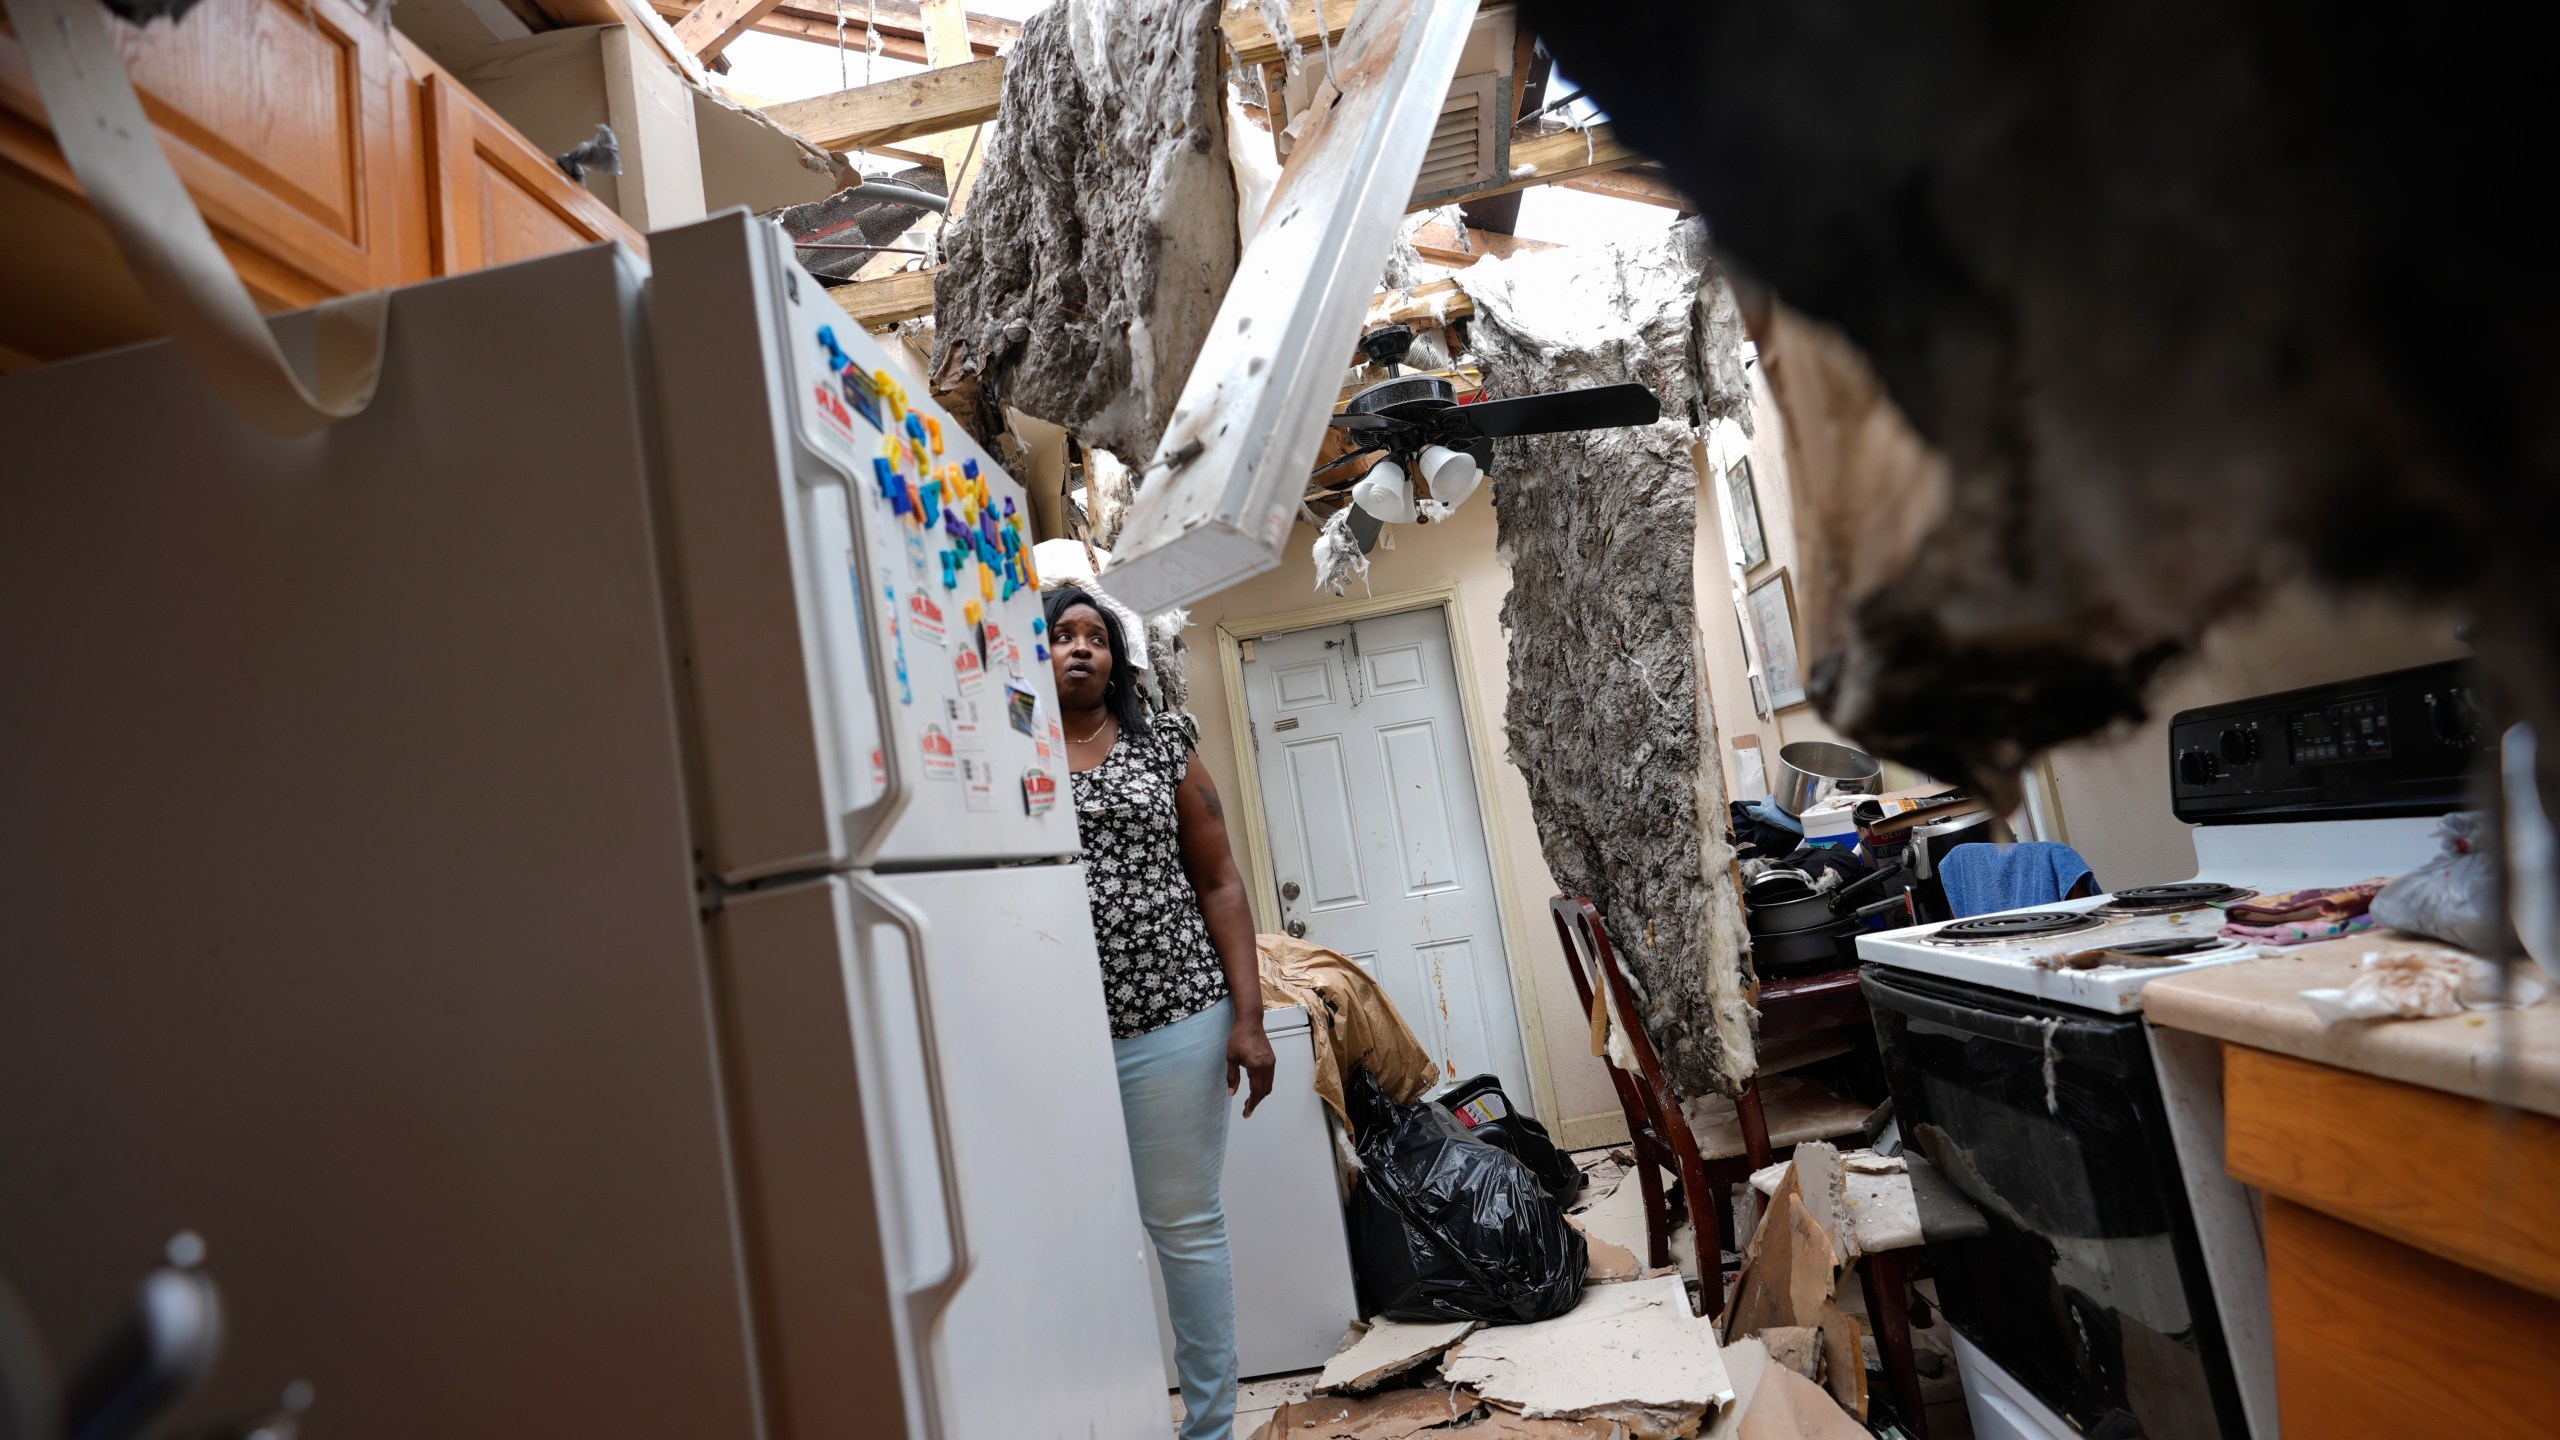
[564, 886]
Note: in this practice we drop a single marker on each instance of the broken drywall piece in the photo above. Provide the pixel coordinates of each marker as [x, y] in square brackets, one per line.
[1790, 1275]
[1787, 1406]
[1608, 718]
[1844, 1366]
[1883, 1211]
[1085, 273]
[1615, 1218]
[1394, 1415]
[1632, 1353]
[1388, 1348]
[1607, 1261]
[1797, 1347]
[1744, 1363]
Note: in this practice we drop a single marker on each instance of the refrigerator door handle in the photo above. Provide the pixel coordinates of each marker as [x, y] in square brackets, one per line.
[879, 644]
[927, 1302]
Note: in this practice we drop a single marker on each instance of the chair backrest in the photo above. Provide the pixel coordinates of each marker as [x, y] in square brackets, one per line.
[1981, 878]
[1652, 1107]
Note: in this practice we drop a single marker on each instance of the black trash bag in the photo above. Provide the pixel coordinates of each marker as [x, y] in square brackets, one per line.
[1486, 1113]
[1447, 1227]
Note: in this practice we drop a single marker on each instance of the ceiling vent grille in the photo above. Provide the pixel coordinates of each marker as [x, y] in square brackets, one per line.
[1471, 146]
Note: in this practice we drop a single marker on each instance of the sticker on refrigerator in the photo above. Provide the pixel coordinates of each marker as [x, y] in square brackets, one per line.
[924, 616]
[972, 673]
[1039, 791]
[1022, 708]
[980, 779]
[939, 761]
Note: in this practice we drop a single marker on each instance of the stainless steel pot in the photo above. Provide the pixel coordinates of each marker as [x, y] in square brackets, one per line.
[1812, 771]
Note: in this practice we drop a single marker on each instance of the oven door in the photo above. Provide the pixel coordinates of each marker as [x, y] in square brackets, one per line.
[2063, 1246]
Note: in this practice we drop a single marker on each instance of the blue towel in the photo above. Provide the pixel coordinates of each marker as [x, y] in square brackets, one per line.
[1983, 877]
[1767, 809]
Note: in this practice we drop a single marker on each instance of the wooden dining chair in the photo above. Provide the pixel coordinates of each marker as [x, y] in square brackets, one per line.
[1657, 1132]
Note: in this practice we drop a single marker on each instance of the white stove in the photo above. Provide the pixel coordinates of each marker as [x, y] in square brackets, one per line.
[2014, 1047]
[2074, 952]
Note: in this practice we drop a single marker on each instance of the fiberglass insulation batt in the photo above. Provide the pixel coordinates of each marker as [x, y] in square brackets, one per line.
[1093, 252]
[1609, 717]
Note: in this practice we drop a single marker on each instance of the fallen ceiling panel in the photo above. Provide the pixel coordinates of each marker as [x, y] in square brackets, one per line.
[1098, 242]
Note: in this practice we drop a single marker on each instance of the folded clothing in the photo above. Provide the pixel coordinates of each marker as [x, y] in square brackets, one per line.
[2332, 902]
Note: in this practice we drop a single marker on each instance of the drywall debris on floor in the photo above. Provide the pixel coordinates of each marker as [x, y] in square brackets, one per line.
[1431, 1414]
[1790, 1280]
[1099, 240]
[1630, 1353]
[1608, 719]
[1607, 1260]
[1388, 1348]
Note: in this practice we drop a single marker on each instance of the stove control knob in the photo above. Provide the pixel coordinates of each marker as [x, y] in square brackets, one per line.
[2239, 747]
[2196, 767]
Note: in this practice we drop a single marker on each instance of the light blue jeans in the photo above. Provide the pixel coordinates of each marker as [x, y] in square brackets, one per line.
[1173, 1093]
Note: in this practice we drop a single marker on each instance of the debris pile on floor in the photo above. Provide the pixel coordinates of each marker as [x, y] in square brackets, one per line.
[1632, 1361]
[1609, 720]
[1102, 232]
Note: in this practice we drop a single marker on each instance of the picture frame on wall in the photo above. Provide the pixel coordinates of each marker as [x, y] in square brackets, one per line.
[1744, 498]
[1772, 607]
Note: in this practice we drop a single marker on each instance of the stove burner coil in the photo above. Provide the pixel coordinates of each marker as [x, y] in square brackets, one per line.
[2020, 925]
[2169, 899]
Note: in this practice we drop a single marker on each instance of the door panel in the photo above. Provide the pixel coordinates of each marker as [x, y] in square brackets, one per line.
[498, 199]
[1376, 837]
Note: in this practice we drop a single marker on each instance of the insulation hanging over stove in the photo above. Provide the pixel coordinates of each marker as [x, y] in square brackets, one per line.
[1609, 718]
[1101, 234]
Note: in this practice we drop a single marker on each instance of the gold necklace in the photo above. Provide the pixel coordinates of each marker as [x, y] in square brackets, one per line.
[1087, 737]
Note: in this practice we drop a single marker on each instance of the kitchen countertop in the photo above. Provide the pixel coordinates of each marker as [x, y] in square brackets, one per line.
[2509, 1057]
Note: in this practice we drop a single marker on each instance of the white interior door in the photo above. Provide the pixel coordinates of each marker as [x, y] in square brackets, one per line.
[1376, 840]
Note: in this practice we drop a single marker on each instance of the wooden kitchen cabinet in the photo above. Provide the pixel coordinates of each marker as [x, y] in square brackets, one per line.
[328, 154]
[2413, 1249]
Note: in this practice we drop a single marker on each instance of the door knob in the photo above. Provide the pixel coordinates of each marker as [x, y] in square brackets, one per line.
[1297, 929]
[1289, 890]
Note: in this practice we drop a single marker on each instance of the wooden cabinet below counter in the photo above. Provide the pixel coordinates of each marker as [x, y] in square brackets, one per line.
[328, 154]
[2413, 1250]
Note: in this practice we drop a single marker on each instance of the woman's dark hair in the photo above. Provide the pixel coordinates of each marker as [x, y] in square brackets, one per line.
[1120, 691]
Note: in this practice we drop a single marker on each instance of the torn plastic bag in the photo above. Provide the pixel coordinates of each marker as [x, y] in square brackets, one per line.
[1447, 1227]
[1489, 1115]
[2454, 899]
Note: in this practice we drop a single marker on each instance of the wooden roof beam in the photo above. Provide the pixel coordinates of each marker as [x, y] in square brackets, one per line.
[1646, 185]
[1313, 23]
[900, 23]
[1550, 160]
[926, 103]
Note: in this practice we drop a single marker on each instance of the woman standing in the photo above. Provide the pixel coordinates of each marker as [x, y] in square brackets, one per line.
[1179, 974]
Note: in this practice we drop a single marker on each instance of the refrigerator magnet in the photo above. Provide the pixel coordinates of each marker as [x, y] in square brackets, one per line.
[972, 672]
[1039, 791]
[979, 781]
[939, 761]
[1022, 708]
[924, 616]
[966, 732]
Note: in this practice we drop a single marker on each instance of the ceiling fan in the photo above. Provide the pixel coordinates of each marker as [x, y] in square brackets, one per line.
[1417, 421]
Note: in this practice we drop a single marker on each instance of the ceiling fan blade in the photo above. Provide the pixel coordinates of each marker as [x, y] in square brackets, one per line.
[1368, 422]
[1601, 407]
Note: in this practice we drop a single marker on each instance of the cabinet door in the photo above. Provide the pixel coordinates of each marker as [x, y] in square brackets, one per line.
[277, 116]
[495, 198]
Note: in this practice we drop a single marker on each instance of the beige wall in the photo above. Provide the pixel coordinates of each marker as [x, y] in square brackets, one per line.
[1576, 1101]
[2114, 791]
[1728, 664]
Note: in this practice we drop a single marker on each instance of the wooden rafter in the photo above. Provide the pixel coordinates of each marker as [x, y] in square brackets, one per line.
[1314, 23]
[1645, 184]
[946, 46]
[899, 22]
[907, 295]
[926, 103]
[1550, 159]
